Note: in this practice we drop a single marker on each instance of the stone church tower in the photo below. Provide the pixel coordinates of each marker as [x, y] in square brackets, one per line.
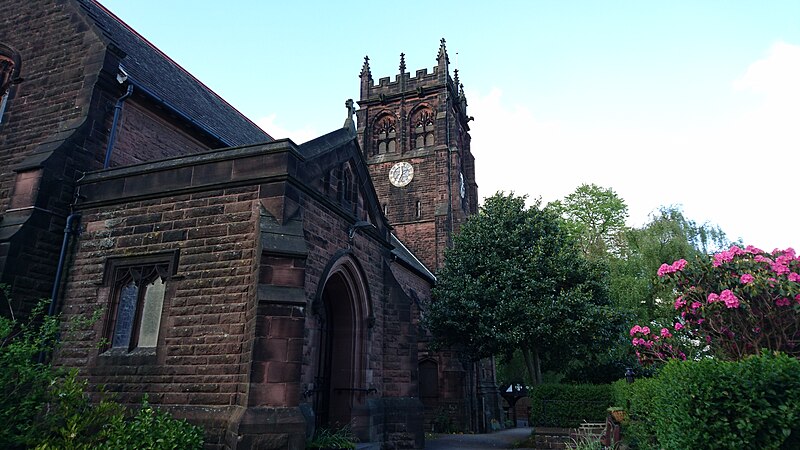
[414, 132]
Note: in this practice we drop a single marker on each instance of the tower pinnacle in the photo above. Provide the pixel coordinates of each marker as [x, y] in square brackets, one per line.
[365, 69]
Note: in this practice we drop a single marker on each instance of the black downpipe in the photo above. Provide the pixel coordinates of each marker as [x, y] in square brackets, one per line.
[112, 137]
[72, 228]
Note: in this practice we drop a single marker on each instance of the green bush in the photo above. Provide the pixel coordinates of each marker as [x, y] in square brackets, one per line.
[712, 404]
[152, 429]
[638, 399]
[568, 405]
[45, 407]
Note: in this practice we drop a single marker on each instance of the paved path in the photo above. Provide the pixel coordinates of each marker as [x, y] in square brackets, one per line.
[501, 439]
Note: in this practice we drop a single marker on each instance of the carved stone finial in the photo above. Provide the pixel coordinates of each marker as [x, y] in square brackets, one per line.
[351, 110]
[442, 57]
[402, 63]
[455, 78]
[365, 68]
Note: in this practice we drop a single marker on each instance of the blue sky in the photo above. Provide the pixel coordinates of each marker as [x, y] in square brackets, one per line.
[692, 103]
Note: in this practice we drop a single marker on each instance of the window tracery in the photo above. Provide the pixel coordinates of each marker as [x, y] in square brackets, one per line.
[423, 129]
[385, 136]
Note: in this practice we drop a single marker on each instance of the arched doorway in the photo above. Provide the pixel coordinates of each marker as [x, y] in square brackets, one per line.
[343, 312]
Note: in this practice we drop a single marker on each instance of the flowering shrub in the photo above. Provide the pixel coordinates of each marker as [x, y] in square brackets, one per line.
[734, 304]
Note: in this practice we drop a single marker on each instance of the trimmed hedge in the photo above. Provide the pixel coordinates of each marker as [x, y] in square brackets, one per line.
[712, 404]
[568, 405]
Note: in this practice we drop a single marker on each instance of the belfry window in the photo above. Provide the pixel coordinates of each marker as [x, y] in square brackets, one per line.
[385, 136]
[138, 289]
[423, 131]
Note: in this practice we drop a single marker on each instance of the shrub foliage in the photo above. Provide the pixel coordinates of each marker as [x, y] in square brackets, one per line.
[47, 407]
[713, 404]
[568, 405]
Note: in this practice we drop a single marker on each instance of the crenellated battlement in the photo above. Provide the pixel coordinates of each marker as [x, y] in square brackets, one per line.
[422, 78]
[423, 82]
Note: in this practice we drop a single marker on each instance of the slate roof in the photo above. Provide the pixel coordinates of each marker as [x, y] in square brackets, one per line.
[178, 89]
[403, 253]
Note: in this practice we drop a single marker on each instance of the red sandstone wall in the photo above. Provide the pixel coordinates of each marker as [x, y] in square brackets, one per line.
[327, 233]
[61, 60]
[144, 136]
[204, 344]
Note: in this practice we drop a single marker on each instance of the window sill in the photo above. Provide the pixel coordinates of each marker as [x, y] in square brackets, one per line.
[121, 356]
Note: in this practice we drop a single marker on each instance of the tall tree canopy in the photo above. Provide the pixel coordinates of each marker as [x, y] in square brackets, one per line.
[595, 216]
[514, 280]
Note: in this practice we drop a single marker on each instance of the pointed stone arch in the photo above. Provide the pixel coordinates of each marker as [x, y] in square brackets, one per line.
[344, 310]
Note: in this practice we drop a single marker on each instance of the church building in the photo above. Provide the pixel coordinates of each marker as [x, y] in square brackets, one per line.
[254, 286]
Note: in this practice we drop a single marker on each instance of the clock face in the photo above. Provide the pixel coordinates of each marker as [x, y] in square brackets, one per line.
[401, 174]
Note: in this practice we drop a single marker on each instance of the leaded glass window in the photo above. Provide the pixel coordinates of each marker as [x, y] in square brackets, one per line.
[137, 299]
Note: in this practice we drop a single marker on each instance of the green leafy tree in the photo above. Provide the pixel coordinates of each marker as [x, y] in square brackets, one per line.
[514, 280]
[595, 216]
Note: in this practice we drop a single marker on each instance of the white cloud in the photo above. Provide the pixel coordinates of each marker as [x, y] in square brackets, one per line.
[776, 75]
[741, 175]
[298, 136]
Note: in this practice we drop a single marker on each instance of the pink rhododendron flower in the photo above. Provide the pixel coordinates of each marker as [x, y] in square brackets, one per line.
[782, 302]
[700, 321]
[753, 250]
[794, 277]
[680, 303]
[712, 297]
[635, 329]
[678, 326]
[726, 256]
[779, 268]
[789, 252]
[645, 330]
[729, 298]
[665, 333]
[671, 268]
[762, 259]
[746, 278]
[696, 305]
